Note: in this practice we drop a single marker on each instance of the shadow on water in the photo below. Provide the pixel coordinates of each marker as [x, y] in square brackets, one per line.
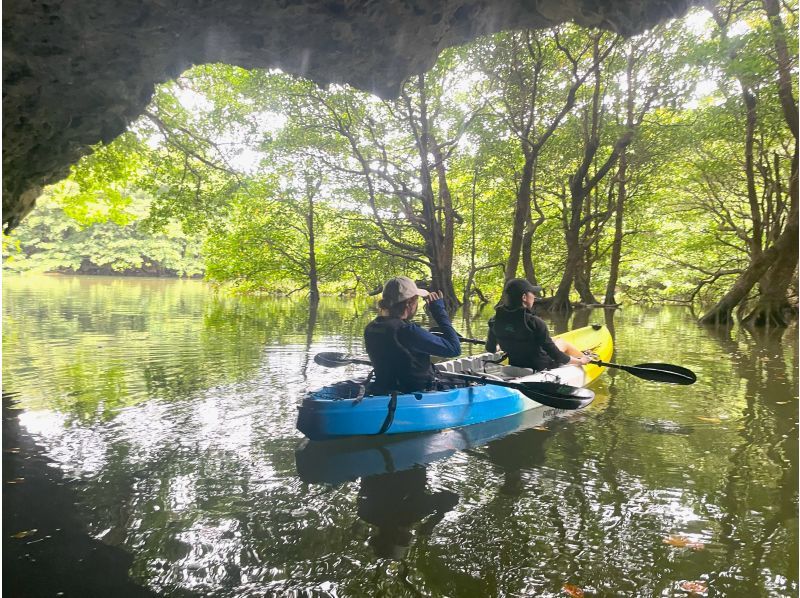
[517, 452]
[347, 459]
[394, 503]
[47, 550]
[393, 494]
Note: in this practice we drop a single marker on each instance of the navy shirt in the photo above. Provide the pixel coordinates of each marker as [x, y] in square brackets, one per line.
[414, 337]
[401, 351]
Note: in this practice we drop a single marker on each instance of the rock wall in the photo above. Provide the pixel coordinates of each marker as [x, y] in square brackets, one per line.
[76, 72]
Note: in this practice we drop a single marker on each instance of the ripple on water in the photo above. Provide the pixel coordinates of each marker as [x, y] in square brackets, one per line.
[176, 408]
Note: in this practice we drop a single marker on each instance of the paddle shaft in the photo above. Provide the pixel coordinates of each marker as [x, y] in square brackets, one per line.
[559, 396]
[655, 372]
[545, 398]
[473, 341]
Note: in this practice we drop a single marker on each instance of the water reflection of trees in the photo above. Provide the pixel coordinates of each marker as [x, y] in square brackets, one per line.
[203, 492]
[760, 508]
[89, 347]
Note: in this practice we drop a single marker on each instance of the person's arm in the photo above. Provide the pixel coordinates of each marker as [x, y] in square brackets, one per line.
[417, 338]
[542, 335]
[435, 305]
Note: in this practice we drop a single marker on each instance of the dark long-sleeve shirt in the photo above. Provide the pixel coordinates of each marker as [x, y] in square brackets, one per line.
[416, 338]
[527, 339]
[401, 351]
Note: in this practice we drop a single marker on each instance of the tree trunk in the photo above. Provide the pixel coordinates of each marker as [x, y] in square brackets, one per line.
[439, 235]
[521, 213]
[527, 253]
[756, 238]
[616, 245]
[785, 86]
[773, 308]
[775, 266]
[472, 250]
[446, 246]
[722, 312]
[622, 190]
[313, 281]
[560, 301]
[442, 280]
[583, 284]
[530, 230]
[580, 186]
[438, 248]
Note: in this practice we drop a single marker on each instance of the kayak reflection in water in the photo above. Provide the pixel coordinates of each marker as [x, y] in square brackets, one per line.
[394, 502]
[516, 453]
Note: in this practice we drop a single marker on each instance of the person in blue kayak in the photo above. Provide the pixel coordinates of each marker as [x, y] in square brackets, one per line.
[524, 336]
[400, 351]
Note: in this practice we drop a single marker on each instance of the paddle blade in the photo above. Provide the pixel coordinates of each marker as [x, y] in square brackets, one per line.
[333, 359]
[664, 372]
[559, 396]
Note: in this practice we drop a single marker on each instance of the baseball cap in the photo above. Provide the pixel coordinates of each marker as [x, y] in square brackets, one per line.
[517, 287]
[400, 289]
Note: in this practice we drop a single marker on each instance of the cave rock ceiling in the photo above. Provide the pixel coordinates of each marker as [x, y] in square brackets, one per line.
[76, 72]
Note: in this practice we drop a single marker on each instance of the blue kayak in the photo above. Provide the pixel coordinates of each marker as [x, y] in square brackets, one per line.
[341, 410]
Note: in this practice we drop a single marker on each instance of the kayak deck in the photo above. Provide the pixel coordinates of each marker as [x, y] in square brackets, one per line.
[341, 409]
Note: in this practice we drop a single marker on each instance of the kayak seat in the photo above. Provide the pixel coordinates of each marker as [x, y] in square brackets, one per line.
[464, 364]
[483, 365]
[507, 372]
[347, 389]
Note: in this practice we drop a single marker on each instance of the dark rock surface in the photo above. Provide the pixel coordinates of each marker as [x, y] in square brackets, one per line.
[76, 72]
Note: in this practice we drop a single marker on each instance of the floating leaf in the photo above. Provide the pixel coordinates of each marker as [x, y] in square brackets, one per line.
[782, 402]
[14, 450]
[573, 590]
[711, 420]
[681, 542]
[25, 534]
[15, 481]
[540, 428]
[694, 587]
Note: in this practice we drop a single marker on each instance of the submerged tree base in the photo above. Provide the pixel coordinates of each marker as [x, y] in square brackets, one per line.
[771, 316]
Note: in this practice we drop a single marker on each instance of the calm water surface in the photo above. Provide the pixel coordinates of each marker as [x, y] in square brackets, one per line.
[171, 410]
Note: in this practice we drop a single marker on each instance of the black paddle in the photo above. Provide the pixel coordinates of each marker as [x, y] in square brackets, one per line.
[332, 359]
[551, 394]
[473, 341]
[655, 372]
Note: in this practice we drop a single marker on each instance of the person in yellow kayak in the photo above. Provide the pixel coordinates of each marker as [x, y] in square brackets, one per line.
[524, 336]
[400, 351]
